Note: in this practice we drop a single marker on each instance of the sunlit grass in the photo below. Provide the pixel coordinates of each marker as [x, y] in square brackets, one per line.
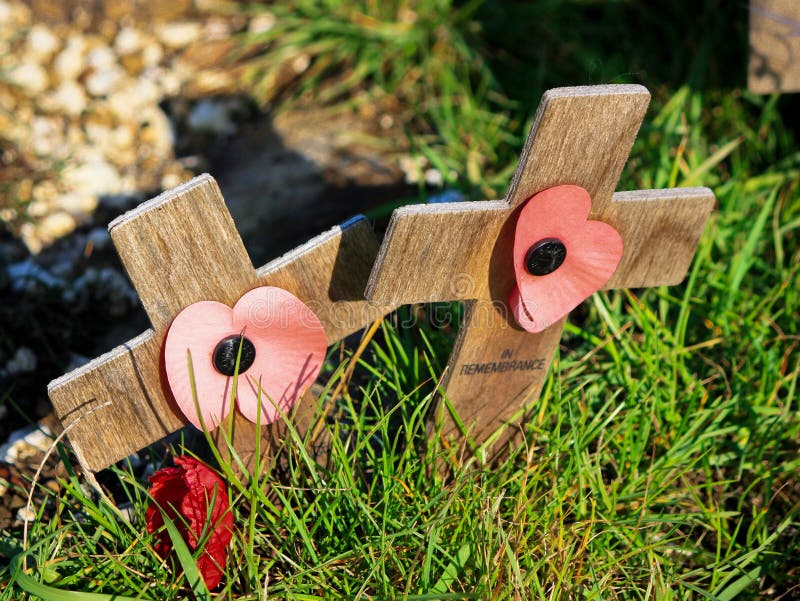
[662, 462]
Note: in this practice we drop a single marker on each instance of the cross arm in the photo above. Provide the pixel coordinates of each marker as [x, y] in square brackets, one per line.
[437, 252]
[115, 405]
[580, 135]
[118, 402]
[329, 274]
[660, 230]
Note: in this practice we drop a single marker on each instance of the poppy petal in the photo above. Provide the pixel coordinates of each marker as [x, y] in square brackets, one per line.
[206, 502]
[288, 340]
[192, 495]
[290, 348]
[196, 331]
[593, 251]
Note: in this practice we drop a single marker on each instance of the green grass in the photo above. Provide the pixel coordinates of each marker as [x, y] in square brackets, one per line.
[663, 459]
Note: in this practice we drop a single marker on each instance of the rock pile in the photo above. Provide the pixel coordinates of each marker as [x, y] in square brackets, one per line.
[81, 103]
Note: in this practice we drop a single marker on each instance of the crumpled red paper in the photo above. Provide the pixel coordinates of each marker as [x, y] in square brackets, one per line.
[186, 493]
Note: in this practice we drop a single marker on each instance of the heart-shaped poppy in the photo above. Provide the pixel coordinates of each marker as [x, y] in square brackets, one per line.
[282, 349]
[560, 257]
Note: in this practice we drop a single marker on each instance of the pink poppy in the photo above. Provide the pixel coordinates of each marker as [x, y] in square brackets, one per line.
[560, 257]
[185, 493]
[282, 349]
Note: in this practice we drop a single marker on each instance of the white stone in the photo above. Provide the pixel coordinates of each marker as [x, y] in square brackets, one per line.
[213, 81]
[25, 442]
[105, 81]
[6, 12]
[157, 137]
[95, 177]
[101, 58]
[217, 29]
[170, 83]
[128, 41]
[7, 100]
[211, 116]
[13, 15]
[98, 135]
[301, 63]
[30, 76]
[36, 209]
[69, 63]
[30, 238]
[77, 204]
[170, 180]
[261, 23]
[23, 362]
[18, 130]
[74, 135]
[86, 153]
[55, 226]
[122, 138]
[129, 99]
[68, 98]
[41, 42]
[433, 177]
[152, 54]
[26, 514]
[411, 168]
[45, 191]
[47, 135]
[129, 185]
[116, 145]
[179, 34]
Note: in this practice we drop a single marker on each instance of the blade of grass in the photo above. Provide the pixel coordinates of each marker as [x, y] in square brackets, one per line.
[190, 569]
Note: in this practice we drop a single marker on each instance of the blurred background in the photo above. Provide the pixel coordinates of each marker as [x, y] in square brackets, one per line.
[309, 111]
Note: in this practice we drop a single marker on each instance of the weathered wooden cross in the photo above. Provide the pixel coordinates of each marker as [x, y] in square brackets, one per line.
[463, 251]
[180, 248]
[774, 46]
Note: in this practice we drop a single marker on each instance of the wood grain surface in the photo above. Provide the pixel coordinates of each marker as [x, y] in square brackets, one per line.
[462, 251]
[179, 248]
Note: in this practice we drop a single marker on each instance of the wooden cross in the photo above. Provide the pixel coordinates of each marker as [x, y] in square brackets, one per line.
[774, 46]
[462, 251]
[183, 247]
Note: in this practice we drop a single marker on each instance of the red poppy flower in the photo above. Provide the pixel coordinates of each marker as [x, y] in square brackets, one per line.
[192, 495]
[282, 348]
[560, 257]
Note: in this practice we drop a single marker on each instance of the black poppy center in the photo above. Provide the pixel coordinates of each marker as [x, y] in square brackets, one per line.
[545, 256]
[227, 350]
